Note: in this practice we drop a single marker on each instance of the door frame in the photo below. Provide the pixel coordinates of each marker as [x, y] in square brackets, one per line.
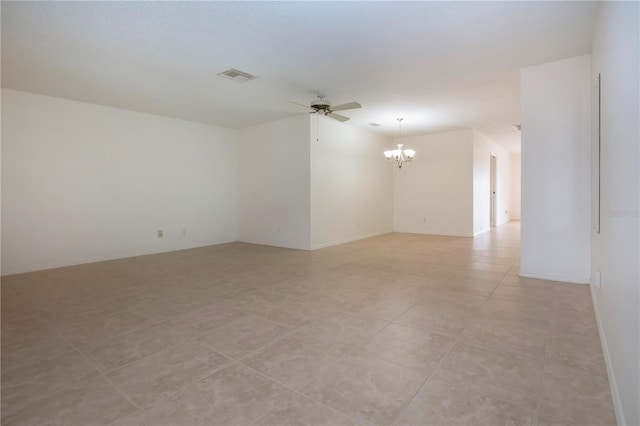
[493, 198]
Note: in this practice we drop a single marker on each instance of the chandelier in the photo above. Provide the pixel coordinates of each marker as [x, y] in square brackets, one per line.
[400, 156]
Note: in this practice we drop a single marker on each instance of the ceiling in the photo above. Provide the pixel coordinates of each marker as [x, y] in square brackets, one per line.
[439, 65]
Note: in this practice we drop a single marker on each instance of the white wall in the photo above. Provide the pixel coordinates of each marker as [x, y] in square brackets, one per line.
[274, 188]
[483, 149]
[434, 194]
[83, 183]
[555, 233]
[514, 186]
[351, 183]
[615, 251]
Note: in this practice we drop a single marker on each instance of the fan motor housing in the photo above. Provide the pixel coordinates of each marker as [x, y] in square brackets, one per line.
[322, 104]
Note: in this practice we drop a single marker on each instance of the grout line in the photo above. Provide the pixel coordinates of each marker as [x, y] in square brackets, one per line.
[406, 404]
[294, 390]
[455, 340]
[544, 366]
[108, 380]
[181, 388]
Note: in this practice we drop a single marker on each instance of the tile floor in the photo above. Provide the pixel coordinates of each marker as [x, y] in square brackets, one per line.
[400, 329]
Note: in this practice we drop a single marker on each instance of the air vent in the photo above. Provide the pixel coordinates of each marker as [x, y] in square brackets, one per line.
[374, 124]
[237, 75]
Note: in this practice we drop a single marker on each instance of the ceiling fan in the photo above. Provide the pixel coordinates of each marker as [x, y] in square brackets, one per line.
[322, 105]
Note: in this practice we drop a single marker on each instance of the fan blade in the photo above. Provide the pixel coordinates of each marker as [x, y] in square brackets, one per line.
[350, 105]
[304, 106]
[338, 117]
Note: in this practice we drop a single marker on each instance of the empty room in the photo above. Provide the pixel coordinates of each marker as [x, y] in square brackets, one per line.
[320, 213]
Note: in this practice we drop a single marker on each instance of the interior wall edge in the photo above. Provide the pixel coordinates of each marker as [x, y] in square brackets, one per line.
[613, 384]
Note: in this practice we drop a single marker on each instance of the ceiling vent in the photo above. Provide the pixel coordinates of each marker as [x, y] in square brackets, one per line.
[237, 75]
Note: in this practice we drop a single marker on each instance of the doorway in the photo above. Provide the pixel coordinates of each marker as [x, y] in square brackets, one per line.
[492, 191]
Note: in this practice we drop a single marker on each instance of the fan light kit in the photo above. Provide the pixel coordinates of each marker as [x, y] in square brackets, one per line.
[400, 156]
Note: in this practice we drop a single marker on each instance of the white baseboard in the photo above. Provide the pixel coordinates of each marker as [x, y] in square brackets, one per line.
[554, 277]
[615, 395]
[438, 234]
[348, 240]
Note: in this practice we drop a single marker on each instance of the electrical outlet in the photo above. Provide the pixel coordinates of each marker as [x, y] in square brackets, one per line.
[597, 279]
[184, 232]
[278, 228]
[160, 233]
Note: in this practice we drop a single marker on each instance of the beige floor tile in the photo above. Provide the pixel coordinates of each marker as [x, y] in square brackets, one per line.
[23, 385]
[486, 276]
[493, 267]
[258, 301]
[347, 295]
[577, 351]
[122, 350]
[344, 327]
[370, 390]
[299, 411]
[296, 359]
[571, 290]
[95, 402]
[86, 330]
[568, 322]
[204, 320]
[12, 308]
[517, 337]
[172, 307]
[27, 340]
[223, 292]
[69, 310]
[440, 403]
[295, 287]
[452, 299]
[409, 347]
[573, 297]
[386, 309]
[475, 288]
[299, 312]
[435, 318]
[232, 396]
[503, 376]
[243, 336]
[166, 372]
[530, 294]
[574, 396]
[516, 311]
[495, 260]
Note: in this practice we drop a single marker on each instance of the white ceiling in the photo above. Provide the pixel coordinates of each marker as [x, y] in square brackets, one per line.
[439, 65]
